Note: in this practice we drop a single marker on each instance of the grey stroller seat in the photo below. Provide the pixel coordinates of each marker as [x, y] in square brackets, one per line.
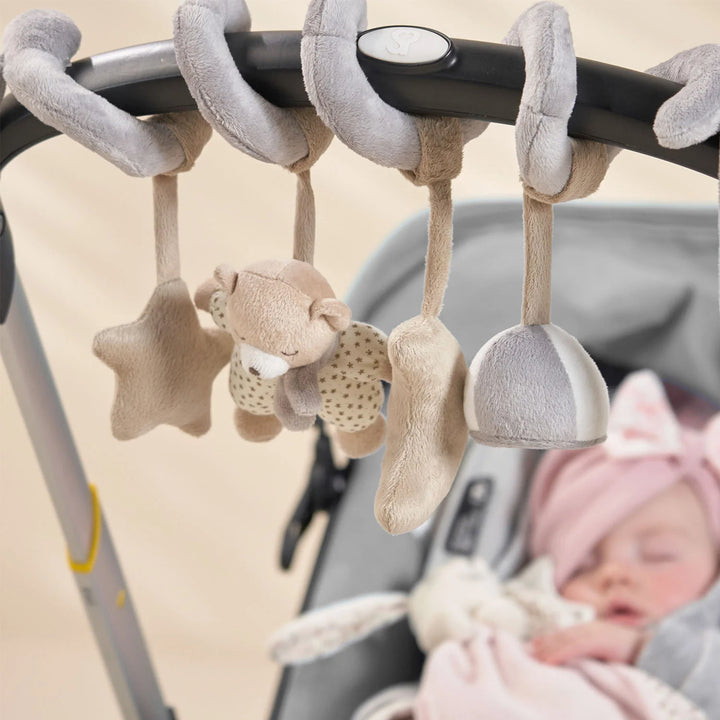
[635, 284]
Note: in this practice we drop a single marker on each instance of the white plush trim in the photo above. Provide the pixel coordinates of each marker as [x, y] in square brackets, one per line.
[592, 404]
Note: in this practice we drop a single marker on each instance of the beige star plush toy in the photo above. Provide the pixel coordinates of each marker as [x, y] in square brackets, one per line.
[165, 362]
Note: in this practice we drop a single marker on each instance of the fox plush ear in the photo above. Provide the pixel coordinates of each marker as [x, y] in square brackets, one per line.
[336, 313]
[226, 277]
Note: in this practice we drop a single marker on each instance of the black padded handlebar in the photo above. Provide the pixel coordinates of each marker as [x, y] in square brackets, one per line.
[484, 80]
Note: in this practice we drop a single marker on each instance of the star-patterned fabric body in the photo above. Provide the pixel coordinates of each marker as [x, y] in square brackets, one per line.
[349, 384]
[350, 401]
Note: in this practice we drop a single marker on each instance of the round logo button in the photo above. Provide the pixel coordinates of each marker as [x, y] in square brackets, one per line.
[404, 45]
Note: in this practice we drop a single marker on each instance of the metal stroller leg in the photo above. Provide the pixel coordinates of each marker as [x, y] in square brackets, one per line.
[91, 553]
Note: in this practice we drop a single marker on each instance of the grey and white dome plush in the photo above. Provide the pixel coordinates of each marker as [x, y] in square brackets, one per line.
[535, 386]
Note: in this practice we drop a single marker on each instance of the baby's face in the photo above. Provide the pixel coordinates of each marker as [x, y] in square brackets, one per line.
[656, 560]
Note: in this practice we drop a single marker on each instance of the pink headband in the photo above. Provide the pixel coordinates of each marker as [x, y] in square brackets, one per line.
[579, 495]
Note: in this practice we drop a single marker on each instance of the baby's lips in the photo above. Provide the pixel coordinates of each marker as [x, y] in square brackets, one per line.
[624, 613]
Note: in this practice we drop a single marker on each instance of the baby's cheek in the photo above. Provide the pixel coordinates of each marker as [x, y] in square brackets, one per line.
[579, 590]
[673, 587]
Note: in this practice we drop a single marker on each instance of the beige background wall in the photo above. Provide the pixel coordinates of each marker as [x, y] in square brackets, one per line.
[197, 522]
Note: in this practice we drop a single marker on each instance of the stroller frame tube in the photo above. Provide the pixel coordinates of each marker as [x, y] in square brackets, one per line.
[91, 553]
[614, 105]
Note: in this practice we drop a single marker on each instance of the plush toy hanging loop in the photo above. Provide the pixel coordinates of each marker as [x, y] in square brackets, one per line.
[427, 433]
[441, 148]
[38, 46]
[165, 362]
[243, 117]
[293, 138]
[318, 138]
[693, 114]
[296, 353]
[588, 166]
[343, 97]
[534, 385]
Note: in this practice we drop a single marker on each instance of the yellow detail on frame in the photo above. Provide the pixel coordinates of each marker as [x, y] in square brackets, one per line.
[87, 565]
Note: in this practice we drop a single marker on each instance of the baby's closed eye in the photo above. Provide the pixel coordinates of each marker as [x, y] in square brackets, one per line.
[658, 556]
[661, 548]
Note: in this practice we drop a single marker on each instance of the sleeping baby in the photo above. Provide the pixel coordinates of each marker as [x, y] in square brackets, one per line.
[617, 618]
[633, 530]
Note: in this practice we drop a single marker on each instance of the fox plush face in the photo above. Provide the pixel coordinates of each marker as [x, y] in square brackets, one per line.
[282, 315]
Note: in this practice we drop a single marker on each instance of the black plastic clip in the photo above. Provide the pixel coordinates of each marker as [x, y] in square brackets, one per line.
[325, 487]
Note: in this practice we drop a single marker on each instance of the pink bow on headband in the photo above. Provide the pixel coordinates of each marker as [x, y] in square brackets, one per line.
[642, 423]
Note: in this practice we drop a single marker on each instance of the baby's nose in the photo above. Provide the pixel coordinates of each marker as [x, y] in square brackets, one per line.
[614, 573]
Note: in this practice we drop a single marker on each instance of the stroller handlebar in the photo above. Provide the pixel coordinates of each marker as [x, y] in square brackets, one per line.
[614, 105]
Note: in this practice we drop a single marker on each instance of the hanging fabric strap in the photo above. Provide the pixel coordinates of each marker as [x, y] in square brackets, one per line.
[441, 146]
[167, 247]
[318, 138]
[192, 133]
[589, 165]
